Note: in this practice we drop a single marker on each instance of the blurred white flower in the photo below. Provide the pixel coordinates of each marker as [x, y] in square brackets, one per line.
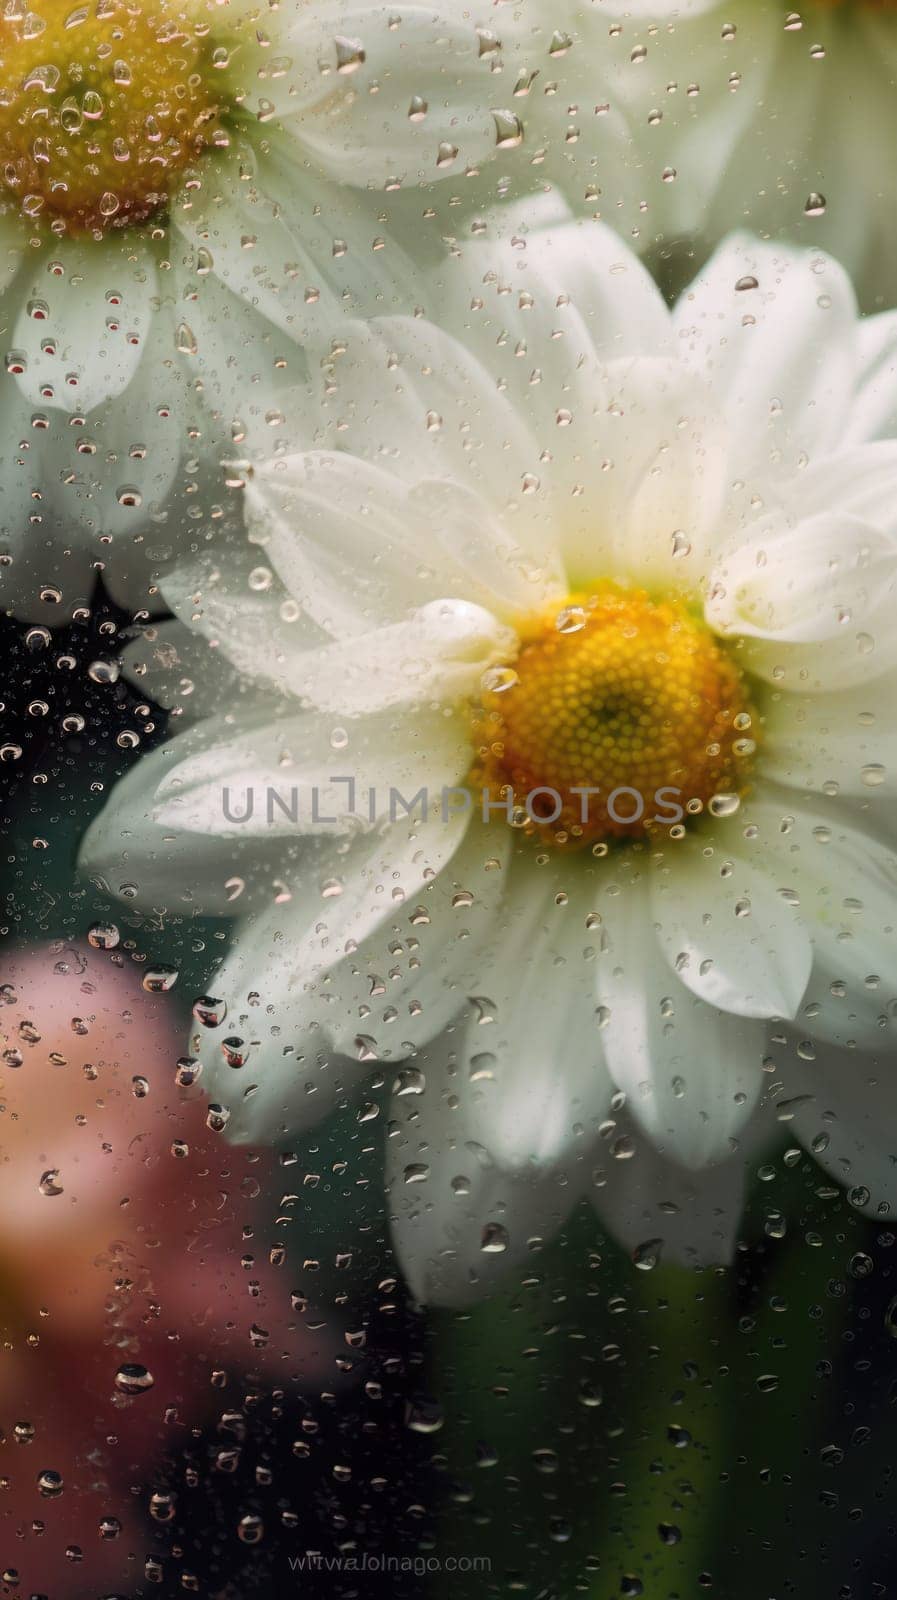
[577, 544]
[760, 115]
[176, 215]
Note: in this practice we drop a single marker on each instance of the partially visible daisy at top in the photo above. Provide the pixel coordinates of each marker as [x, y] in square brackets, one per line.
[544, 740]
[174, 220]
[761, 114]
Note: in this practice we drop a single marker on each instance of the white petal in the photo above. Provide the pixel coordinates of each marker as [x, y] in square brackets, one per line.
[656, 1208]
[268, 1064]
[321, 515]
[298, 982]
[273, 259]
[873, 410]
[88, 499]
[399, 953]
[283, 241]
[681, 458]
[82, 334]
[844, 882]
[811, 741]
[533, 1041]
[405, 392]
[634, 450]
[93, 498]
[552, 296]
[113, 476]
[236, 229]
[813, 603]
[780, 357]
[228, 596]
[727, 933]
[859, 481]
[392, 871]
[163, 870]
[356, 72]
[495, 565]
[796, 587]
[842, 1106]
[306, 774]
[173, 666]
[438, 656]
[691, 1073]
[460, 1222]
[653, 460]
[40, 556]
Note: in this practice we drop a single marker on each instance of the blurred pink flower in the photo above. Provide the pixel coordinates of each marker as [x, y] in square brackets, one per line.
[130, 1288]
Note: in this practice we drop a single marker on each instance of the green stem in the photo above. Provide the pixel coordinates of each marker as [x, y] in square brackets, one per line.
[673, 1445]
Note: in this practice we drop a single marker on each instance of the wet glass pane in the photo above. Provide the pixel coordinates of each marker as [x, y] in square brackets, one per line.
[447, 572]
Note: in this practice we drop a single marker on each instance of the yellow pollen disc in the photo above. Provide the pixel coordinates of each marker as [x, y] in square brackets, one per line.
[624, 694]
[102, 106]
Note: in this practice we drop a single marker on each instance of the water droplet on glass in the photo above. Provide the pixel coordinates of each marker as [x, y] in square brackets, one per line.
[494, 1239]
[132, 1378]
[209, 1011]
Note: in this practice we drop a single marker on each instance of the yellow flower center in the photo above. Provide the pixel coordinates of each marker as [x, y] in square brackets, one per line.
[621, 715]
[102, 106]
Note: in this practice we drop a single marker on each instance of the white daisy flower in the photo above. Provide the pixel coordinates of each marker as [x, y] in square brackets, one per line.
[561, 715]
[760, 115]
[174, 219]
